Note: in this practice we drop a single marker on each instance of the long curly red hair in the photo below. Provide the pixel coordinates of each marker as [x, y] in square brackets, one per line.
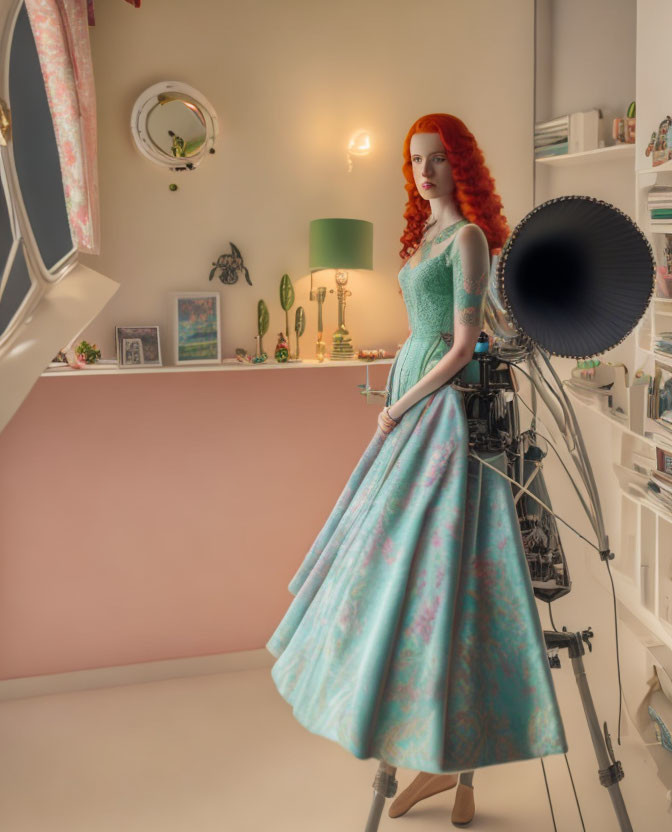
[475, 194]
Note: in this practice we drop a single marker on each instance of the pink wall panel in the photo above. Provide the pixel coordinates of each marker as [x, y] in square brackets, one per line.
[160, 515]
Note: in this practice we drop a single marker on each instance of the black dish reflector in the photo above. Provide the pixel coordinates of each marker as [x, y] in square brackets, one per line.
[576, 275]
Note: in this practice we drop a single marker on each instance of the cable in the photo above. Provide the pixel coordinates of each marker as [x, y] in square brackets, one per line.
[548, 793]
[550, 615]
[618, 657]
[475, 456]
[576, 797]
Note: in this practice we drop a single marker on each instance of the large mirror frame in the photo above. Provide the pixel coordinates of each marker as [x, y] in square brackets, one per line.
[174, 153]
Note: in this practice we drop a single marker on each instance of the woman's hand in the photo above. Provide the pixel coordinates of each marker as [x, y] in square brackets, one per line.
[385, 421]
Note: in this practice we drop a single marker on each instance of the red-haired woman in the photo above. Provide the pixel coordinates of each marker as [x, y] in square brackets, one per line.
[414, 637]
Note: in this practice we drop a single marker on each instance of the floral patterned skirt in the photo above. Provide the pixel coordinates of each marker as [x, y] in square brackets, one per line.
[414, 636]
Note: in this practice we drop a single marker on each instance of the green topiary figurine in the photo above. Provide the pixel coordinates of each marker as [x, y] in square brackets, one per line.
[286, 299]
[262, 329]
[299, 328]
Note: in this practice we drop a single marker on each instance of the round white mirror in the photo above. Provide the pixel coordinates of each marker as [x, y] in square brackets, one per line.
[174, 125]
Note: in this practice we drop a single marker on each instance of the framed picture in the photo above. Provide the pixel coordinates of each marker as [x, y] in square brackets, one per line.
[197, 328]
[131, 351]
[149, 350]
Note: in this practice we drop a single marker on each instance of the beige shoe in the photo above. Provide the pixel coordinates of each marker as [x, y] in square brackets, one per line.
[424, 785]
[464, 806]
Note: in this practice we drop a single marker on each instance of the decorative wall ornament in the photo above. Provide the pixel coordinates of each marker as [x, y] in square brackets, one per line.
[230, 266]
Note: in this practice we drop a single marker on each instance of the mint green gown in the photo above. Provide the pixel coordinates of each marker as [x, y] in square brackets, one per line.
[413, 636]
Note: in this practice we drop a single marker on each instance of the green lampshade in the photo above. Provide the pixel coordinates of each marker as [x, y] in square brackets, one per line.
[341, 244]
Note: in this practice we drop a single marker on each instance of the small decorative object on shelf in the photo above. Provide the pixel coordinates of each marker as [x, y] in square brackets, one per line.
[286, 299]
[660, 146]
[243, 356]
[299, 329]
[149, 351]
[197, 328]
[281, 348]
[320, 346]
[587, 367]
[230, 266]
[71, 358]
[372, 355]
[603, 378]
[87, 353]
[624, 128]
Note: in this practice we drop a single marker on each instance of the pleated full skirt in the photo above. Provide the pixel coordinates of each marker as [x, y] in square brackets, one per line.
[413, 636]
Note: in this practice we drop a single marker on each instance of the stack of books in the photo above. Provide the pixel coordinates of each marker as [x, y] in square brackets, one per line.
[660, 489]
[551, 138]
[660, 483]
[574, 133]
[664, 343]
[660, 205]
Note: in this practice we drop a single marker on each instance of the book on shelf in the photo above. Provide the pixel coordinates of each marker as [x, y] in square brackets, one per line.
[584, 131]
[552, 125]
[551, 150]
[665, 480]
[551, 139]
[661, 213]
[658, 495]
[659, 192]
[578, 132]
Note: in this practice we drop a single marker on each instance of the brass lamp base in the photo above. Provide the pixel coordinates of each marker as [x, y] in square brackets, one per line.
[341, 345]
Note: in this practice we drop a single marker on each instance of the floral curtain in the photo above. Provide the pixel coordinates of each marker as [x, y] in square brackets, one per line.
[60, 28]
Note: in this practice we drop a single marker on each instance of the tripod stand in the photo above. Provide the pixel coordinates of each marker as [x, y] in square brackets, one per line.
[490, 431]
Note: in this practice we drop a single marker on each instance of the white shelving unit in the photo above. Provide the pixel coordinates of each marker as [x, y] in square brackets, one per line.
[589, 157]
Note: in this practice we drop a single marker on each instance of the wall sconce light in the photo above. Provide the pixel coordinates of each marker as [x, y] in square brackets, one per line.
[359, 145]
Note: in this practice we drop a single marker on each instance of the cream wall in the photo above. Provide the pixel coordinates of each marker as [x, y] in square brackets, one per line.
[176, 507]
[290, 82]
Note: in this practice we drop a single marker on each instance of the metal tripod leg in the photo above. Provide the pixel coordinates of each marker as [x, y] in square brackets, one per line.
[610, 769]
[384, 785]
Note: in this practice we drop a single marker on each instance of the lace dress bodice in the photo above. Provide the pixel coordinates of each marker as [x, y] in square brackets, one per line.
[432, 289]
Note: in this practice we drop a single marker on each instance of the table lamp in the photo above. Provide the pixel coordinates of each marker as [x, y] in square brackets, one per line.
[338, 244]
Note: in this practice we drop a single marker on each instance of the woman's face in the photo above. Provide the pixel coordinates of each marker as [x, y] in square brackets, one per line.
[431, 168]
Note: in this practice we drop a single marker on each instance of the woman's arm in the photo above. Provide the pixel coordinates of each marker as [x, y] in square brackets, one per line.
[471, 266]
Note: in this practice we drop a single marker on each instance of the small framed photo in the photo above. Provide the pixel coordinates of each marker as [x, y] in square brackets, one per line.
[197, 328]
[664, 461]
[134, 354]
[131, 351]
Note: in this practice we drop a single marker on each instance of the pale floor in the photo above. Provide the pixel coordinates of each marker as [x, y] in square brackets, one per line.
[223, 753]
